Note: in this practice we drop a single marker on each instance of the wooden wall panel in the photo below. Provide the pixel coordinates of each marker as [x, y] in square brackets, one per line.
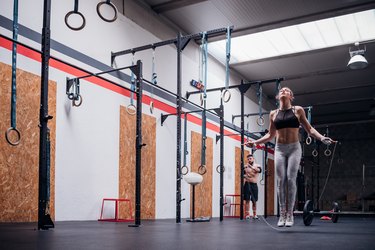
[270, 187]
[203, 191]
[237, 176]
[127, 164]
[19, 165]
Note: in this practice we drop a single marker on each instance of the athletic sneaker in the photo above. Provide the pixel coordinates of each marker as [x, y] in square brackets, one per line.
[256, 217]
[281, 221]
[289, 220]
[248, 217]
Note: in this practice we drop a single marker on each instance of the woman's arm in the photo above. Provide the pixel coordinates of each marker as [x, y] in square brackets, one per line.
[309, 129]
[267, 137]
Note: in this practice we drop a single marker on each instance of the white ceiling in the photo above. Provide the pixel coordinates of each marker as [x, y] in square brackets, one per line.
[319, 78]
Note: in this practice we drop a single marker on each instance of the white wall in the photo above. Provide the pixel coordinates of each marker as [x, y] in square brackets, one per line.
[87, 138]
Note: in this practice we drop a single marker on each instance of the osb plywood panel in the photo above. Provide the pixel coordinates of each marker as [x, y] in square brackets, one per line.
[127, 164]
[237, 174]
[270, 186]
[203, 191]
[19, 165]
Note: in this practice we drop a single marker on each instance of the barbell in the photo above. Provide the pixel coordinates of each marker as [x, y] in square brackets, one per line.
[308, 213]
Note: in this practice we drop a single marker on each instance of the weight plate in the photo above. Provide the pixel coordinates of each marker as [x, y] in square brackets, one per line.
[308, 216]
[335, 209]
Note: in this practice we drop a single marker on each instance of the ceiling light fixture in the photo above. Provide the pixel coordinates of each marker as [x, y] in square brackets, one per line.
[357, 58]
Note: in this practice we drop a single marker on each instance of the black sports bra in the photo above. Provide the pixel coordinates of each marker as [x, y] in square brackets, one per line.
[286, 119]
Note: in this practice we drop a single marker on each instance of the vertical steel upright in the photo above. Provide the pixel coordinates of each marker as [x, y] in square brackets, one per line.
[221, 159]
[44, 219]
[265, 179]
[317, 180]
[242, 147]
[178, 115]
[138, 143]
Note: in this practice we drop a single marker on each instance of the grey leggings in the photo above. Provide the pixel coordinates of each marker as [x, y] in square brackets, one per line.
[287, 160]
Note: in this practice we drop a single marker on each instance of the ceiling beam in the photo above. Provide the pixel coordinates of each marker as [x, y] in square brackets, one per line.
[344, 123]
[335, 89]
[172, 5]
[300, 19]
[340, 113]
[321, 73]
[342, 102]
[337, 122]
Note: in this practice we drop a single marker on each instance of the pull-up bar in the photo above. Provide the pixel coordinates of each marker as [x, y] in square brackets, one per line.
[239, 86]
[184, 39]
[132, 68]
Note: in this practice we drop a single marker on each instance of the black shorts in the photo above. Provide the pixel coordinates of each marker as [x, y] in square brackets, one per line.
[250, 192]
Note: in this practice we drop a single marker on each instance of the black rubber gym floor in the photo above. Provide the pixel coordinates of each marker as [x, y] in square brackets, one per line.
[349, 233]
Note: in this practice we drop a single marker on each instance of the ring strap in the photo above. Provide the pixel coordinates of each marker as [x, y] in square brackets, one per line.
[132, 83]
[75, 6]
[278, 86]
[260, 101]
[228, 47]
[13, 106]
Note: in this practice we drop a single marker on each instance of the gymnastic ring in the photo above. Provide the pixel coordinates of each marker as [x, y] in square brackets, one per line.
[308, 140]
[151, 107]
[340, 161]
[315, 153]
[16, 142]
[202, 169]
[184, 172]
[218, 169]
[226, 95]
[131, 109]
[100, 14]
[327, 152]
[201, 98]
[77, 102]
[78, 13]
[260, 121]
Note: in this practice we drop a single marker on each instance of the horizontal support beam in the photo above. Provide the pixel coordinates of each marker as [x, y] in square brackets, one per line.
[247, 83]
[341, 113]
[301, 19]
[370, 85]
[343, 101]
[344, 123]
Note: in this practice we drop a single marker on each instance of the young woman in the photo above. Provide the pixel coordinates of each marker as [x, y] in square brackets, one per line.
[284, 125]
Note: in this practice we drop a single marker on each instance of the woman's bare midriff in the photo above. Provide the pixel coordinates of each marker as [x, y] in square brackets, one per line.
[287, 135]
